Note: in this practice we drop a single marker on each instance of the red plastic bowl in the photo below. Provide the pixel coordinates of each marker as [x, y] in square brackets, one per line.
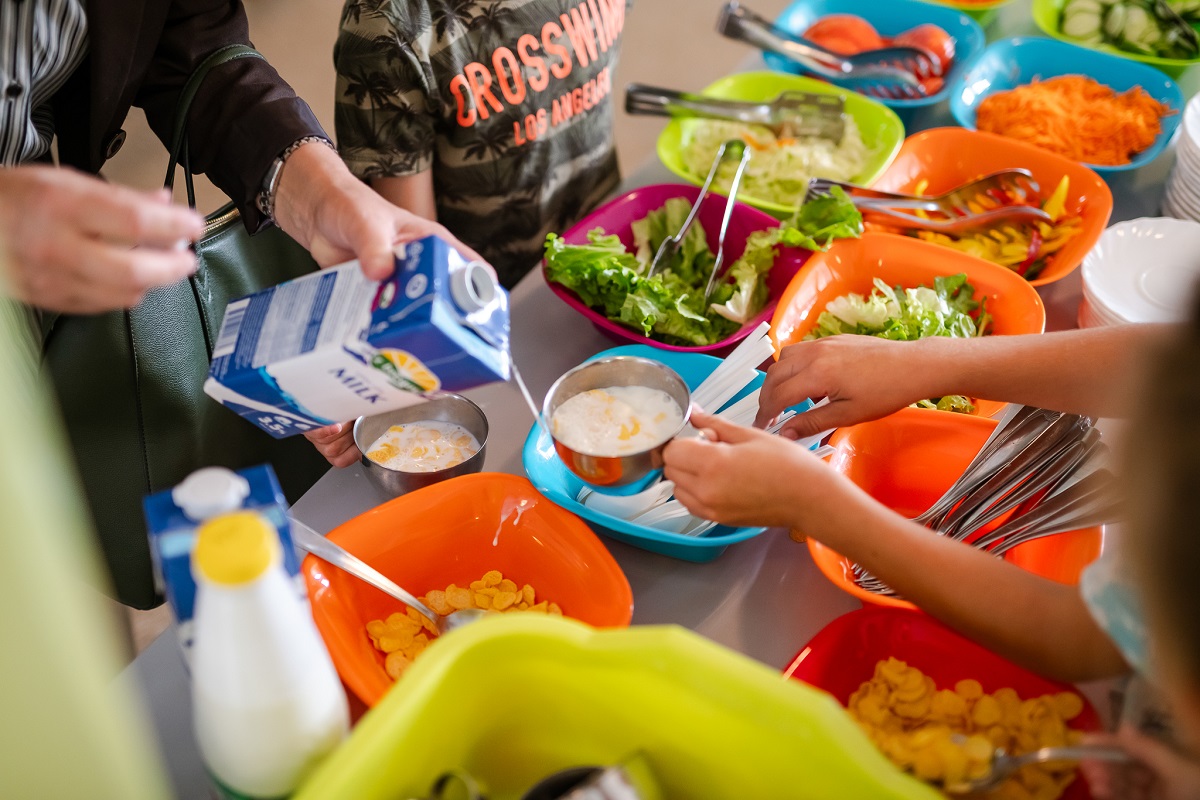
[843, 655]
[618, 215]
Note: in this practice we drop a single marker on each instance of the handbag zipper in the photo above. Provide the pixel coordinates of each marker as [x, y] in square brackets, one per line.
[216, 222]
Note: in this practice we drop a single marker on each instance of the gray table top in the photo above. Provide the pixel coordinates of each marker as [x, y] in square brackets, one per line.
[764, 597]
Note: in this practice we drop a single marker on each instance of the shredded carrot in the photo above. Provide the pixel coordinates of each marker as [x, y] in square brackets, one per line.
[1076, 117]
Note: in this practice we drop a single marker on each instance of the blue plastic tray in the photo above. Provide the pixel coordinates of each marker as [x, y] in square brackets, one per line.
[547, 472]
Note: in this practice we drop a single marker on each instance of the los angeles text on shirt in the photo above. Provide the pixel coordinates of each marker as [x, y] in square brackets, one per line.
[534, 64]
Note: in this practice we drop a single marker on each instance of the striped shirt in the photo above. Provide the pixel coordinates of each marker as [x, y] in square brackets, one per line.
[41, 44]
[508, 103]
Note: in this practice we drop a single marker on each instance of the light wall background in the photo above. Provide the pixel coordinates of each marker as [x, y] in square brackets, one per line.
[670, 43]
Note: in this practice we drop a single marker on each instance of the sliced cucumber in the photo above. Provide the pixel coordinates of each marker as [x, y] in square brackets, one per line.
[1083, 19]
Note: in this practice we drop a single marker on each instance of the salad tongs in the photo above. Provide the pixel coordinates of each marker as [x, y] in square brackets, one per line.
[734, 148]
[791, 114]
[873, 72]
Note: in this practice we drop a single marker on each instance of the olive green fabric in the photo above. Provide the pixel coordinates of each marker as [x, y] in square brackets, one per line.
[130, 384]
[68, 730]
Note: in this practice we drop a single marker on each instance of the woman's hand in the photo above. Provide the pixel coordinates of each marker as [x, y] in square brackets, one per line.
[75, 244]
[337, 217]
[743, 476]
[864, 378]
[1159, 772]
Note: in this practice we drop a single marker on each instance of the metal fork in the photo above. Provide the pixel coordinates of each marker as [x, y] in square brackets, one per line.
[670, 245]
[890, 72]
[790, 114]
[951, 203]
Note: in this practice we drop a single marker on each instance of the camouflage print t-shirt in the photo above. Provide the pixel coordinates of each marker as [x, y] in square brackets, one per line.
[509, 102]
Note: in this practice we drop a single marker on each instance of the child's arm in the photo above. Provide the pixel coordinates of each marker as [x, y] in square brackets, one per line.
[1088, 371]
[413, 193]
[1041, 624]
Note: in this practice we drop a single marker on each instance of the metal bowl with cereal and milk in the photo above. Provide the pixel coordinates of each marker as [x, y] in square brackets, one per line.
[417, 446]
[610, 420]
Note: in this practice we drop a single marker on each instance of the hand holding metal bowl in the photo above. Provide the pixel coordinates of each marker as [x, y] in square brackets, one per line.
[630, 472]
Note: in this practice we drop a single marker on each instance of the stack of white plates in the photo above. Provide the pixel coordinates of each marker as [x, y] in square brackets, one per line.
[1182, 197]
[1144, 270]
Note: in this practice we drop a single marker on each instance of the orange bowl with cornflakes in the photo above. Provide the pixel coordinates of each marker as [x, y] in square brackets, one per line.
[455, 533]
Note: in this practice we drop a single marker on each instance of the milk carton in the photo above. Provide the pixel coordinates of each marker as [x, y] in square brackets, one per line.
[174, 515]
[333, 345]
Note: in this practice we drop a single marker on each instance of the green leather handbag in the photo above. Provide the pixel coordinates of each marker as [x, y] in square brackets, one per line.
[130, 383]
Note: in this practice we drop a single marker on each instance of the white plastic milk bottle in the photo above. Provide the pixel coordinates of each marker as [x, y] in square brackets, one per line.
[268, 702]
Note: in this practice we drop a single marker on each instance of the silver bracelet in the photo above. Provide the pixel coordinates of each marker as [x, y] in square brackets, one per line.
[270, 185]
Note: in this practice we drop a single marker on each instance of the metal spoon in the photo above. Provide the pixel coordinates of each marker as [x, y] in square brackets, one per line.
[310, 541]
[1004, 765]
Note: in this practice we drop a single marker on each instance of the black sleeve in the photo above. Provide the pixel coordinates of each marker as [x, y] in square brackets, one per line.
[244, 115]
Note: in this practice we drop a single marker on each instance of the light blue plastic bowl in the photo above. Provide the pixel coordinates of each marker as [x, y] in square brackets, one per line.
[1009, 63]
[890, 18]
[561, 486]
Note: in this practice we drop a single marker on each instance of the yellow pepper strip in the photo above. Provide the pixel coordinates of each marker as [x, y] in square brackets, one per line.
[1056, 206]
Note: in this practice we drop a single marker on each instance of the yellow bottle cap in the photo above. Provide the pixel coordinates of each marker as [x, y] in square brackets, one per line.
[236, 548]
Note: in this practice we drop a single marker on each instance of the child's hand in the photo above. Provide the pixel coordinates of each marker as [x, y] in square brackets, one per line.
[1159, 773]
[864, 378]
[743, 476]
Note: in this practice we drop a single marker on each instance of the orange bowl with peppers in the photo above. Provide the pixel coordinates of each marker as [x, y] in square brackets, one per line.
[1078, 200]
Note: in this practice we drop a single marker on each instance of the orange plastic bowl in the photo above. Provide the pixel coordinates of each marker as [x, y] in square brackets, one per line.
[949, 157]
[907, 461]
[851, 265]
[454, 532]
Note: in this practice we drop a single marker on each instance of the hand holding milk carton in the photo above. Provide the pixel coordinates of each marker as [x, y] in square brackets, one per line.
[333, 345]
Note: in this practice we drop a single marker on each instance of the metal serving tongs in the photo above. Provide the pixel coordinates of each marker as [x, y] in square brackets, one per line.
[885, 206]
[733, 148]
[1019, 183]
[791, 114]
[890, 72]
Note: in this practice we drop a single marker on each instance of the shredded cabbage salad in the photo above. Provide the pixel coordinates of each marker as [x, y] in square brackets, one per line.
[949, 308]
[779, 169]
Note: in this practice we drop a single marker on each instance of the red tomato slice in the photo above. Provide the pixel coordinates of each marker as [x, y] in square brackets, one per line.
[844, 30]
[931, 38]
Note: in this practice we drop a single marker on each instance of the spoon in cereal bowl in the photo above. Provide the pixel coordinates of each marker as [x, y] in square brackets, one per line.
[310, 541]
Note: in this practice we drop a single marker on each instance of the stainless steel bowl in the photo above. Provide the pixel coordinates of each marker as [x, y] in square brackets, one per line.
[616, 471]
[447, 408]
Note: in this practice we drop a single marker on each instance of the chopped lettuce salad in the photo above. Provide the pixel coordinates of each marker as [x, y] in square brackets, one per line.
[780, 168]
[669, 306]
[947, 309]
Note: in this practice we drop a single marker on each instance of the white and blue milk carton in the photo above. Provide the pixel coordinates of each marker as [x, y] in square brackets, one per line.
[333, 345]
[174, 515]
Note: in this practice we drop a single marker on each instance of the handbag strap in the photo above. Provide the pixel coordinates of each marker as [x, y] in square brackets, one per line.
[179, 140]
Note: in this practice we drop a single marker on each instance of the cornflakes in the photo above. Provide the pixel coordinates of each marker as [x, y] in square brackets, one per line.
[949, 736]
[403, 636]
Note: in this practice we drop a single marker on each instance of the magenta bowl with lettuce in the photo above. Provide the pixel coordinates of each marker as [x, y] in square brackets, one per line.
[617, 217]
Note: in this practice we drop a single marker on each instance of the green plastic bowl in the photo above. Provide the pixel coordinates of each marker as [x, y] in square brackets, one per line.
[1047, 13]
[516, 697]
[983, 11]
[882, 131]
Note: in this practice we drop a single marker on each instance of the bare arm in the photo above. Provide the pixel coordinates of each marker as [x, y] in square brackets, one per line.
[1038, 623]
[411, 192]
[1087, 371]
